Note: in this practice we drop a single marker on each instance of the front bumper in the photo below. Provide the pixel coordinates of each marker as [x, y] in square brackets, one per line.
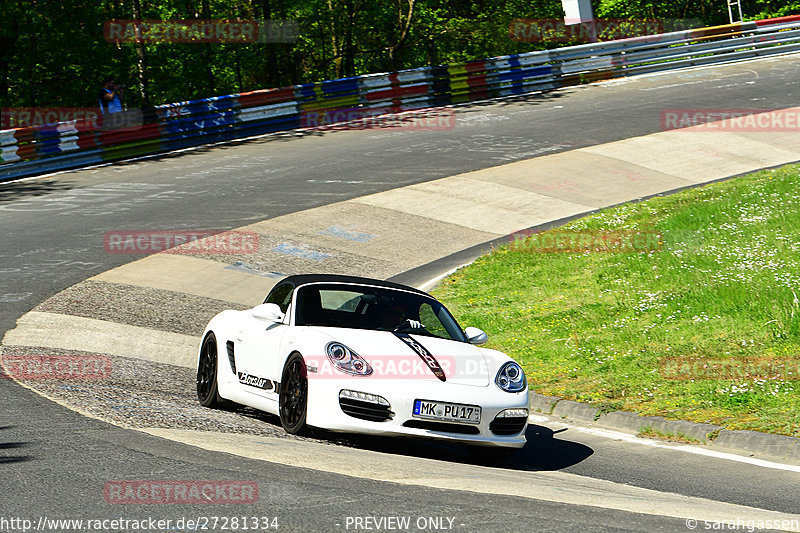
[324, 410]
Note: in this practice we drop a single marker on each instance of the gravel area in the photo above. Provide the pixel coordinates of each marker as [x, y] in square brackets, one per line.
[142, 394]
[137, 306]
[279, 254]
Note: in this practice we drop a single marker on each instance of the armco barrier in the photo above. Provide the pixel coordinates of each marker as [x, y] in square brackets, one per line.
[40, 149]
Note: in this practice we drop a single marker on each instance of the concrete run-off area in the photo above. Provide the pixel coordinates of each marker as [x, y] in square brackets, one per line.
[161, 302]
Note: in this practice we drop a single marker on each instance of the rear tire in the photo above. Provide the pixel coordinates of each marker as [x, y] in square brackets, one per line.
[293, 398]
[207, 390]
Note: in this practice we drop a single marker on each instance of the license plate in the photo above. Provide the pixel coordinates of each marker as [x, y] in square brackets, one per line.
[447, 412]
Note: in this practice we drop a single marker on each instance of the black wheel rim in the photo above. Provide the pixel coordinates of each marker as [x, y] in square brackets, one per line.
[207, 369]
[293, 406]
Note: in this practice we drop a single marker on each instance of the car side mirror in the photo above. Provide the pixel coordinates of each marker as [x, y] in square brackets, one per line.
[476, 336]
[267, 312]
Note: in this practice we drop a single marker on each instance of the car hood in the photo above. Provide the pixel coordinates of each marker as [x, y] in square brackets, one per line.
[392, 357]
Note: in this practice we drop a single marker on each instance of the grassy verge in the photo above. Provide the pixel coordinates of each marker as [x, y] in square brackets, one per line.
[672, 437]
[689, 309]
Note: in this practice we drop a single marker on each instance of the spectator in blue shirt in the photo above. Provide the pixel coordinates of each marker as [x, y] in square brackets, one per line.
[110, 96]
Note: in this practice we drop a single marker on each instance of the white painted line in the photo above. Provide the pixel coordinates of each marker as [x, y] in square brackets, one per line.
[686, 448]
[562, 487]
[41, 176]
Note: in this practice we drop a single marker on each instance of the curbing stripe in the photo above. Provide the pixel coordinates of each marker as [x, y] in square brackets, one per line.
[191, 275]
[67, 332]
[696, 156]
[705, 451]
[575, 410]
[373, 232]
[583, 177]
[777, 447]
[478, 205]
[559, 487]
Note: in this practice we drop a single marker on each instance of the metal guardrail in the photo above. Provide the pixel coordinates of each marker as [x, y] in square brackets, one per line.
[61, 146]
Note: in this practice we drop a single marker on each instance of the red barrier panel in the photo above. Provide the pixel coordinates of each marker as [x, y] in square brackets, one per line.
[395, 93]
[147, 131]
[27, 151]
[264, 97]
[778, 20]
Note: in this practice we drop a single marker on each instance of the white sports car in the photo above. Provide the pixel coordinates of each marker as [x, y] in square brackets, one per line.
[359, 355]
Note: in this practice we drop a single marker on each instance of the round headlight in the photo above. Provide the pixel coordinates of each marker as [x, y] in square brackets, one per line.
[346, 360]
[337, 351]
[513, 373]
[511, 377]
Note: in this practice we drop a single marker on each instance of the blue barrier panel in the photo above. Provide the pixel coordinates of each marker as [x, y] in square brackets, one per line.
[305, 92]
[524, 73]
[258, 127]
[340, 87]
[65, 162]
[49, 146]
[183, 133]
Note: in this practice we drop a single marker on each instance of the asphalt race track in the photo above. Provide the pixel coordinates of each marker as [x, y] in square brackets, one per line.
[56, 462]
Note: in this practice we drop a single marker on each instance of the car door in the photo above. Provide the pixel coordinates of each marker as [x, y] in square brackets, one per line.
[259, 346]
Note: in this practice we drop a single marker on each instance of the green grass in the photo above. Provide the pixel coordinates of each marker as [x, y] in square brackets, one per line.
[653, 433]
[610, 328]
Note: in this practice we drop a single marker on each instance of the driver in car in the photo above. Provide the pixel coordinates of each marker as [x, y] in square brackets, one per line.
[395, 315]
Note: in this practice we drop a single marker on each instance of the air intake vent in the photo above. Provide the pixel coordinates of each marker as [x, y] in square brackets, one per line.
[366, 410]
[508, 425]
[231, 359]
[444, 427]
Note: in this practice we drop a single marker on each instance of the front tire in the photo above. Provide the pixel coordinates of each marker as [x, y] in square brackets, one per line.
[207, 390]
[293, 398]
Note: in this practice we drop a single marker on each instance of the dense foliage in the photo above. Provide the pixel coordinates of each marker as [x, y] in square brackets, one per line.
[53, 52]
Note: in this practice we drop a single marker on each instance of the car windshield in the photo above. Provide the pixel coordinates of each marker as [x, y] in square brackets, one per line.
[375, 308]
